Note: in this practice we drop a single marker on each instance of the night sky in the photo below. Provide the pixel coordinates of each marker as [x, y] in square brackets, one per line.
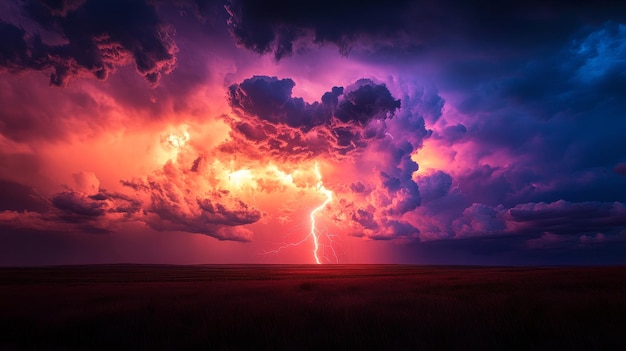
[243, 131]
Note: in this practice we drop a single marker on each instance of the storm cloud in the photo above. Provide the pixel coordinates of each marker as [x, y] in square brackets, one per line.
[171, 202]
[94, 39]
[408, 28]
[286, 125]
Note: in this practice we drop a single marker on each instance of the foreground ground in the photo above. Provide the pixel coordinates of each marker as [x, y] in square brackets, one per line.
[312, 308]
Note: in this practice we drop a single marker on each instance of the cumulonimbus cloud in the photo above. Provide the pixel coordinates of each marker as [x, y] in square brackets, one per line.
[286, 125]
[352, 123]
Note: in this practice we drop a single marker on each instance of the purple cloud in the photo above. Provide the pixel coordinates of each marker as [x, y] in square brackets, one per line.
[99, 36]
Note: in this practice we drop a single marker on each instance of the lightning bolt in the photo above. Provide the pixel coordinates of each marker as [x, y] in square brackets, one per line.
[329, 197]
[314, 232]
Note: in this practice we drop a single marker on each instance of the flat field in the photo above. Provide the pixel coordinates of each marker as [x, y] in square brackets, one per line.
[302, 307]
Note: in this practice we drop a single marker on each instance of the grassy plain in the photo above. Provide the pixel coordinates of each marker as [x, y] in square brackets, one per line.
[302, 307]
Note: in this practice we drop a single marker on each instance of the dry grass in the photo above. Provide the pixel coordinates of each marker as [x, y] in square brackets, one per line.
[310, 307]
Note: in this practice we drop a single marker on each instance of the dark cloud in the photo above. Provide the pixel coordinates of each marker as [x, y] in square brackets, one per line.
[276, 26]
[562, 217]
[410, 124]
[427, 102]
[238, 214]
[18, 52]
[434, 186]
[74, 204]
[73, 211]
[620, 168]
[269, 99]
[398, 229]
[95, 211]
[61, 7]
[486, 184]
[286, 125]
[413, 27]
[97, 37]
[20, 197]
[397, 177]
[357, 187]
[365, 218]
[478, 220]
[365, 102]
[452, 134]
[551, 241]
[386, 228]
